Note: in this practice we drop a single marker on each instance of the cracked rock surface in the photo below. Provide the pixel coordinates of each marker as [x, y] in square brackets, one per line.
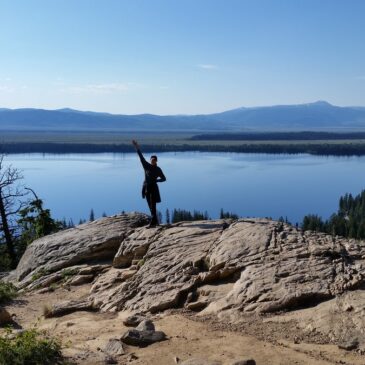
[267, 266]
[213, 266]
[97, 240]
[250, 264]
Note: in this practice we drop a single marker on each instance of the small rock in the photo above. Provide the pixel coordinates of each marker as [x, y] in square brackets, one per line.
[87, 270]
[81, 279]
[349, 345]
[62, 308]
[197, 361]
[135, 337]
[245, 362]
[146, 325]
[5, 316]
[197, 306]
[114, 347]
[110, 360]
[134, 320]
[93, 269]
[43, 290]
[14, 333]
[132, 357]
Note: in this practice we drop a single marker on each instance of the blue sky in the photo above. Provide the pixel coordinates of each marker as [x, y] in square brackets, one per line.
[180, 57]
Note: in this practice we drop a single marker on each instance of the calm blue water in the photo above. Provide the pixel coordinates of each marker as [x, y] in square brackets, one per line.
[259, 185]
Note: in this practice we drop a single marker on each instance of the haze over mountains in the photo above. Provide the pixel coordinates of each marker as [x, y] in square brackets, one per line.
[319, 115]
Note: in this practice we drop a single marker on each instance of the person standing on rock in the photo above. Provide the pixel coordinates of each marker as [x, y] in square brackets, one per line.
[150, 190]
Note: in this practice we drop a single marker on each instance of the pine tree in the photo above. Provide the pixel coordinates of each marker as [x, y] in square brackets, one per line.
[227, 215]
[159, 215]
[92, 215]
[349, 221]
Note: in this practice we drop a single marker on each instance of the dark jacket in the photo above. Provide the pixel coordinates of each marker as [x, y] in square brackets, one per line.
[153, 175]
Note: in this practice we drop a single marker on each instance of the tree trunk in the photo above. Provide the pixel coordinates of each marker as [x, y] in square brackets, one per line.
[7, 234]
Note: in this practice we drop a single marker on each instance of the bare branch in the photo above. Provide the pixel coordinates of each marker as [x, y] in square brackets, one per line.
[35, 195]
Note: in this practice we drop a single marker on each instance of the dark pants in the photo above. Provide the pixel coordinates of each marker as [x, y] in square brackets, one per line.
[152, 205]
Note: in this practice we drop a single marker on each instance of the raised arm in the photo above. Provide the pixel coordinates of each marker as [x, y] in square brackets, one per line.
[144, 163]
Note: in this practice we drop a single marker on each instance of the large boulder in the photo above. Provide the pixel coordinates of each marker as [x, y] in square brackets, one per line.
[221, 267]
[283, 268]
[95, 241]
[247, 264]
[262, 265]
[173, 258]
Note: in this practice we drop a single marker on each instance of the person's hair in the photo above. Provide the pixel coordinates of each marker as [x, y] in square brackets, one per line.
[154, 156]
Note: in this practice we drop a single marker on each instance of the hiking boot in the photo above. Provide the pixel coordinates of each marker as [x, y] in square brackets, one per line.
[153, 223]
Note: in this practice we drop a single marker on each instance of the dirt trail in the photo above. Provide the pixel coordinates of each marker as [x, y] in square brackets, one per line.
[85, 333]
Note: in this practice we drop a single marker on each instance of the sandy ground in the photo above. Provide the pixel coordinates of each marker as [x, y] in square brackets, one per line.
[84, 335]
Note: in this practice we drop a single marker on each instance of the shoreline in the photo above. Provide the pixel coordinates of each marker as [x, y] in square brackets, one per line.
[321, 149]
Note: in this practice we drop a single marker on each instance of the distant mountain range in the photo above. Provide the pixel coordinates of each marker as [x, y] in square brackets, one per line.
[313, 116]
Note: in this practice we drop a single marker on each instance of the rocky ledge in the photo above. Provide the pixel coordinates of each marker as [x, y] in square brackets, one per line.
[245, 265]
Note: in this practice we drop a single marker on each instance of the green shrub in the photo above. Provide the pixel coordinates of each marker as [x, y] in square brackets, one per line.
[53, 287]
[47, 310]
[141, 262]
[30, 347]
[68, 273]
[40, 273]
[7, 292]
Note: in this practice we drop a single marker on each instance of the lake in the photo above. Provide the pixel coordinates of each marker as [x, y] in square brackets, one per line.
[250, 185]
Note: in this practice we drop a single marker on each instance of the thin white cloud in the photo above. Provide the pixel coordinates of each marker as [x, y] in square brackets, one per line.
[208, 66]
[6, 89]
[98, 88]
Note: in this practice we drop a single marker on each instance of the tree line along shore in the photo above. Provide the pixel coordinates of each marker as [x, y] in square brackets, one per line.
[343, 148]
[340, 143]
